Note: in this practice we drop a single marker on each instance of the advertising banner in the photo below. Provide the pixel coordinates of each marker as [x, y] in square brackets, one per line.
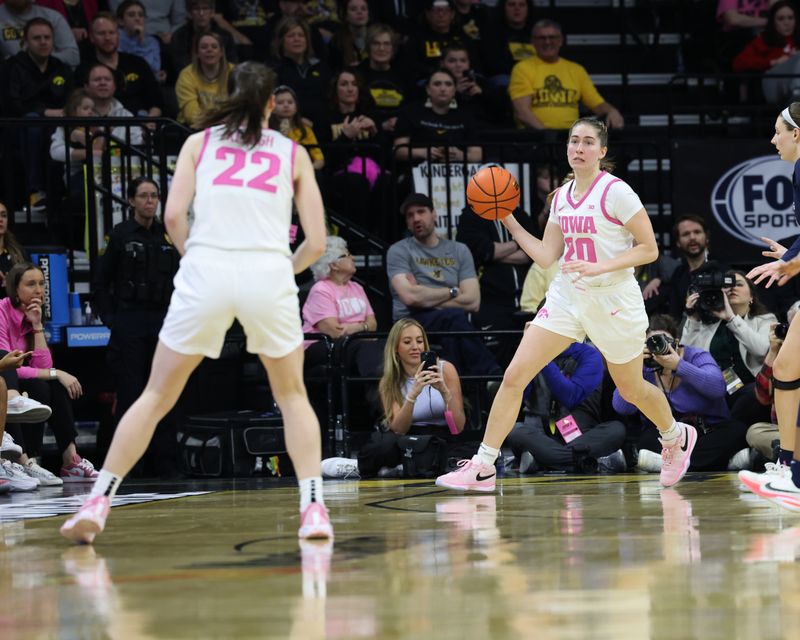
[742, 188]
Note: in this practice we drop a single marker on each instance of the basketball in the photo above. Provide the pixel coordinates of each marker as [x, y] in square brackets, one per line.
[493, 193]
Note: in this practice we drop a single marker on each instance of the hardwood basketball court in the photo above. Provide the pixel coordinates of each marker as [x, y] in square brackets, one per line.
[546, 557]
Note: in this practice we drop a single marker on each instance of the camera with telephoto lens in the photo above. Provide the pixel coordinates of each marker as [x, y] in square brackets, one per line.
[781, 330]
[709, 286]
[658, 345]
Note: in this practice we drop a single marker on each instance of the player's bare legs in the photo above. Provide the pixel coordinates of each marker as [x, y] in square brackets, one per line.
[537, 347]
[303, 442]
[678, 439]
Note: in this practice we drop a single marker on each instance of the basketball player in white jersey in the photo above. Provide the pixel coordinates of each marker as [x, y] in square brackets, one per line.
[236, 263]
[600, 230]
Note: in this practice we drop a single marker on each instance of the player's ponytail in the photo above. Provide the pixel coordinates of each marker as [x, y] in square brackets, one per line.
[251, 87]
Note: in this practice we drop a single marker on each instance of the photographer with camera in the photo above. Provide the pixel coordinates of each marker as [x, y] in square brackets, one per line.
[726, 319]
[695, 388]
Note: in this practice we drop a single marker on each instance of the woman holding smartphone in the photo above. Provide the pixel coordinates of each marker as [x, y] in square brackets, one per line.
[419, 396]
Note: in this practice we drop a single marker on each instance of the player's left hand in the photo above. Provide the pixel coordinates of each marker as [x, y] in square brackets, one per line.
[583, 269]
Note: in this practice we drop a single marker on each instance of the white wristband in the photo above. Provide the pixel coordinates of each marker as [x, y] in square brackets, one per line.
[409, 400]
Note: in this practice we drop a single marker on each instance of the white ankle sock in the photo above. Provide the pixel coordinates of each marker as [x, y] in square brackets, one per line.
[671, 434]
[487, 454]
[311, 491]
[106, 485]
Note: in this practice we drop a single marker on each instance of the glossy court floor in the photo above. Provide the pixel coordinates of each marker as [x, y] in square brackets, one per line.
[551, 558]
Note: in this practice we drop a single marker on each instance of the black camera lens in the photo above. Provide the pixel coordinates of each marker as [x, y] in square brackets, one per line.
[781, 330]
[658, 344]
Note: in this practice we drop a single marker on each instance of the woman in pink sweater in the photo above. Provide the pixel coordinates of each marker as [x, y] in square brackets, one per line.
[21, 327]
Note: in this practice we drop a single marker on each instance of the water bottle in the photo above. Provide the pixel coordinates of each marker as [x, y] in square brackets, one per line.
[75, 313]
[88, 315]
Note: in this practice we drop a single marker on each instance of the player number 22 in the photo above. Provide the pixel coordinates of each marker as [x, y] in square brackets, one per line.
[580, 249]
[240, 159]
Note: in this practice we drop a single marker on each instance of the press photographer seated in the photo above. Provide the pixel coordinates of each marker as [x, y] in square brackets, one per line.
[420, 397]
[695, 389]
[726, 319]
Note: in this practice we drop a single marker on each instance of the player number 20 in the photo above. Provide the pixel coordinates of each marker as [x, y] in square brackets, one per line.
[580, 249]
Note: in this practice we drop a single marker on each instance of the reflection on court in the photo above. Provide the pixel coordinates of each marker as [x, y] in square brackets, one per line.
[560, 558]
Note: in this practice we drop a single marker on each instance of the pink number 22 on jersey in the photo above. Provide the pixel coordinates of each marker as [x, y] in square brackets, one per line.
[240, 159]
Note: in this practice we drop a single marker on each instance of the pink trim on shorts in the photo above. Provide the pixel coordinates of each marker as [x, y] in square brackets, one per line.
[294, 155]
[585, 195]
[603, 203]
[206, 138]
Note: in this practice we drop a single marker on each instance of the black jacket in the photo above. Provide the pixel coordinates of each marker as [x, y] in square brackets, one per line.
[137, 87]
[31, 90]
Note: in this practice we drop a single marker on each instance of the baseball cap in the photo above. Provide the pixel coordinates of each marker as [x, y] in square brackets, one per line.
[431, 4]
[416, 199]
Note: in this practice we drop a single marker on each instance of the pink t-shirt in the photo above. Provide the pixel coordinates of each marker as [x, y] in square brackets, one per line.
[346, 302]
[752, 8]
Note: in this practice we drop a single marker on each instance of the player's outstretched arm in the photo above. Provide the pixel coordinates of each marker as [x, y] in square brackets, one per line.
[543, 252]
[181, 192]
[311, 211]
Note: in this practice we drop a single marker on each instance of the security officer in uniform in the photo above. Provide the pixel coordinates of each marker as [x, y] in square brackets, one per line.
[132, 287]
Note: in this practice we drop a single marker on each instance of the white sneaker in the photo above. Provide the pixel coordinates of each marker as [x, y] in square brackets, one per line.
[16, 476]
[45, 478]
[752, 481]
[742, 460]
[649, 461]
[341, 468]
[23, 409]
[9, 446]
[527, 463]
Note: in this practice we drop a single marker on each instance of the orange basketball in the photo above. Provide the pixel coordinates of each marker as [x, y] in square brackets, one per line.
[493, 193]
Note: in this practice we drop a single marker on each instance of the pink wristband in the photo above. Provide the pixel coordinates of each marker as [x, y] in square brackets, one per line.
[451, 424]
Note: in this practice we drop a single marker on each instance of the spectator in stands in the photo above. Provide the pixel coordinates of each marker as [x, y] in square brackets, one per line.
[78, 14]
[338, 307]
[546, 89]
[425, 46]
[11, 250]
[133, 39]
[415, 401]
[433, 280]
[38, 84]
[203, 19]
[764, 435]
[287, 119]
[509, 41]
[774, 52]
[567, 393]
[503, 267]
[249, 18]
[437, 130]
[203, 83]
[136, 85]
[79, 105]
[695, 389]
[297, 66]
[101, 87]
[348, 46]
[692, 239]
[163, 17]
[654, 280]
[355, 175]
[14, 14]
[21, 328]
[132, 286]
[296, 9]
[739, 22]
[737, 337]
[473, 93]
[388, 85]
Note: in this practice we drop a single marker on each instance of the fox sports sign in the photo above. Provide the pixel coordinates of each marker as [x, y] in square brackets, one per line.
[755, 198]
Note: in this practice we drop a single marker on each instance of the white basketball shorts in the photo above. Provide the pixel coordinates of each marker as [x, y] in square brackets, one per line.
[613, 317]
[212, 287]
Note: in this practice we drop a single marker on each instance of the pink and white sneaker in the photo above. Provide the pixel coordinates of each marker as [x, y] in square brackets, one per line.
[752, 481]
[88, 521]
[781, 491]
[315, 523]
[676, 457]
[471, 475]
[81, 470]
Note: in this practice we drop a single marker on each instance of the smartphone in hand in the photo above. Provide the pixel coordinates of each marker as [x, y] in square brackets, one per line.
[429, 359]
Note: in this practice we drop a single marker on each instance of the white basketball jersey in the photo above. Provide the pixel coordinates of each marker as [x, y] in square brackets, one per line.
[243, 196]
[593, 226]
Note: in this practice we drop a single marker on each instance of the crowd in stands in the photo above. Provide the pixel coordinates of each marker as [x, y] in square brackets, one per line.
[420, 80]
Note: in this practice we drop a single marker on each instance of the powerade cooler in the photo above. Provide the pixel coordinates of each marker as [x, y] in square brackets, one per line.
[55, 308]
